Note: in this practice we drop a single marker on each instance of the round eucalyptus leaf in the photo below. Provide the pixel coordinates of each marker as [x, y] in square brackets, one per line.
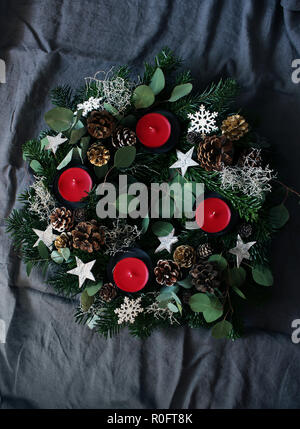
[172, 307]
[262, 275]
[215, 311]
[143, 96]
[59, 119]
[236, 276]
[124, 157]
[221, 261]
[157, 83]
[180, 91]
[65, 253]
[92, 290]
[279, 216]
[43, 250]
[57, 257]
[199, 302]
[161, 229]
[221, 329]
[185, 283]
[36, 166]
[86, 300]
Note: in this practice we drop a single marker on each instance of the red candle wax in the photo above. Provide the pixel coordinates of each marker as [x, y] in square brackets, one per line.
[213, 215]
[74, 183]
[153, 130]
[131, 274]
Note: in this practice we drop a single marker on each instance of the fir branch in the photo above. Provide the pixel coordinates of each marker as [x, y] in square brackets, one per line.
[61, 96]
[166, 60]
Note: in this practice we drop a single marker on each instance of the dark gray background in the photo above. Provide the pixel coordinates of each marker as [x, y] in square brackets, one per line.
[47, 360]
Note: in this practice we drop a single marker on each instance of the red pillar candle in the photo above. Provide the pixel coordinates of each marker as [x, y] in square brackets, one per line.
[213, 215]
[74, 184]
[131, 274]
[153, 130]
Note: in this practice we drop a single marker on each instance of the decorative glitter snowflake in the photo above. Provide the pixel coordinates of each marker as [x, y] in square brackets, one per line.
[203, 121]
[91, 104]
[129, 310]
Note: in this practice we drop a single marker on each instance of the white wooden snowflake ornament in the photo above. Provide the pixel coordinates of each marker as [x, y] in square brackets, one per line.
[203, 121]
[129, 310]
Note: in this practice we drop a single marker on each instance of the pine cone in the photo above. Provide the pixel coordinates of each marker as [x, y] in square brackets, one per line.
[214, 152]
[184, 256]
[87, 236]
[62, 241]
[79, 214]
[98, 154]
[62, 219]
[234, 127]
[205, 276]
[108, 292]
[167, 272]
[204, 250]
[194, 138]
[245, 230]
[123, 137]
[100, 124]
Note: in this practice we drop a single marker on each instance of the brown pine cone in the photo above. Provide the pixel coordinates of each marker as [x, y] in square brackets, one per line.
[123, 137]
[62, 219]
[167, 272]
[245, 230]
[79, 214]
[62, 241]
[194, 138]
[234, 127]
[204, 250]
[205, 276]
[98, 154]
[100, 124]
[108, 292]
[214, 152]
[184, 256]
[87, 236]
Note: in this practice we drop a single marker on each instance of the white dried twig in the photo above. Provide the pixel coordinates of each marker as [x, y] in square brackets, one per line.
[41, 203]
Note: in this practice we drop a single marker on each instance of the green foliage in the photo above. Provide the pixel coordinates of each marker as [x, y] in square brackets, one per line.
[166, 60]
[61, 96]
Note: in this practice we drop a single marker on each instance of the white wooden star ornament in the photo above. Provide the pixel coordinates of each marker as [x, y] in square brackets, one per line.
[241, 251]
[166, 242]
[184, 161]
[83, 271]
[54, 142]
[47, 236]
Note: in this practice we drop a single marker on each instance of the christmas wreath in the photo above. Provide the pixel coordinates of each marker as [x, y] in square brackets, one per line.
[146, 272]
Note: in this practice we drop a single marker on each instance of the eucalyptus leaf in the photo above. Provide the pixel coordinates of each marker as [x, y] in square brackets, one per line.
[36, 166]
[76, 135]
[143, 97]
[199, 302]
[145, 224]
[262, 275]
[57, 257]
[92, 290]
[29, 266]
[172, 307]
[221, 261]
[43, 250]
[124, 157]
[157, 83]
[161, 229]
[279, 216]
[180, 91]
[59, 119]
[44, 142]
[111, 109]
[186, 283]
[86, 300]
[101, 171]
[221, 329]
[236, 276]
[65, 253]
[66, 160]
[239, 292]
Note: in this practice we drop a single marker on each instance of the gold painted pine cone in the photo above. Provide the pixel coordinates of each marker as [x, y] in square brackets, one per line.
[184, 256]
[234, 127]
[62, 241]
[100, 124]
[98, 154]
